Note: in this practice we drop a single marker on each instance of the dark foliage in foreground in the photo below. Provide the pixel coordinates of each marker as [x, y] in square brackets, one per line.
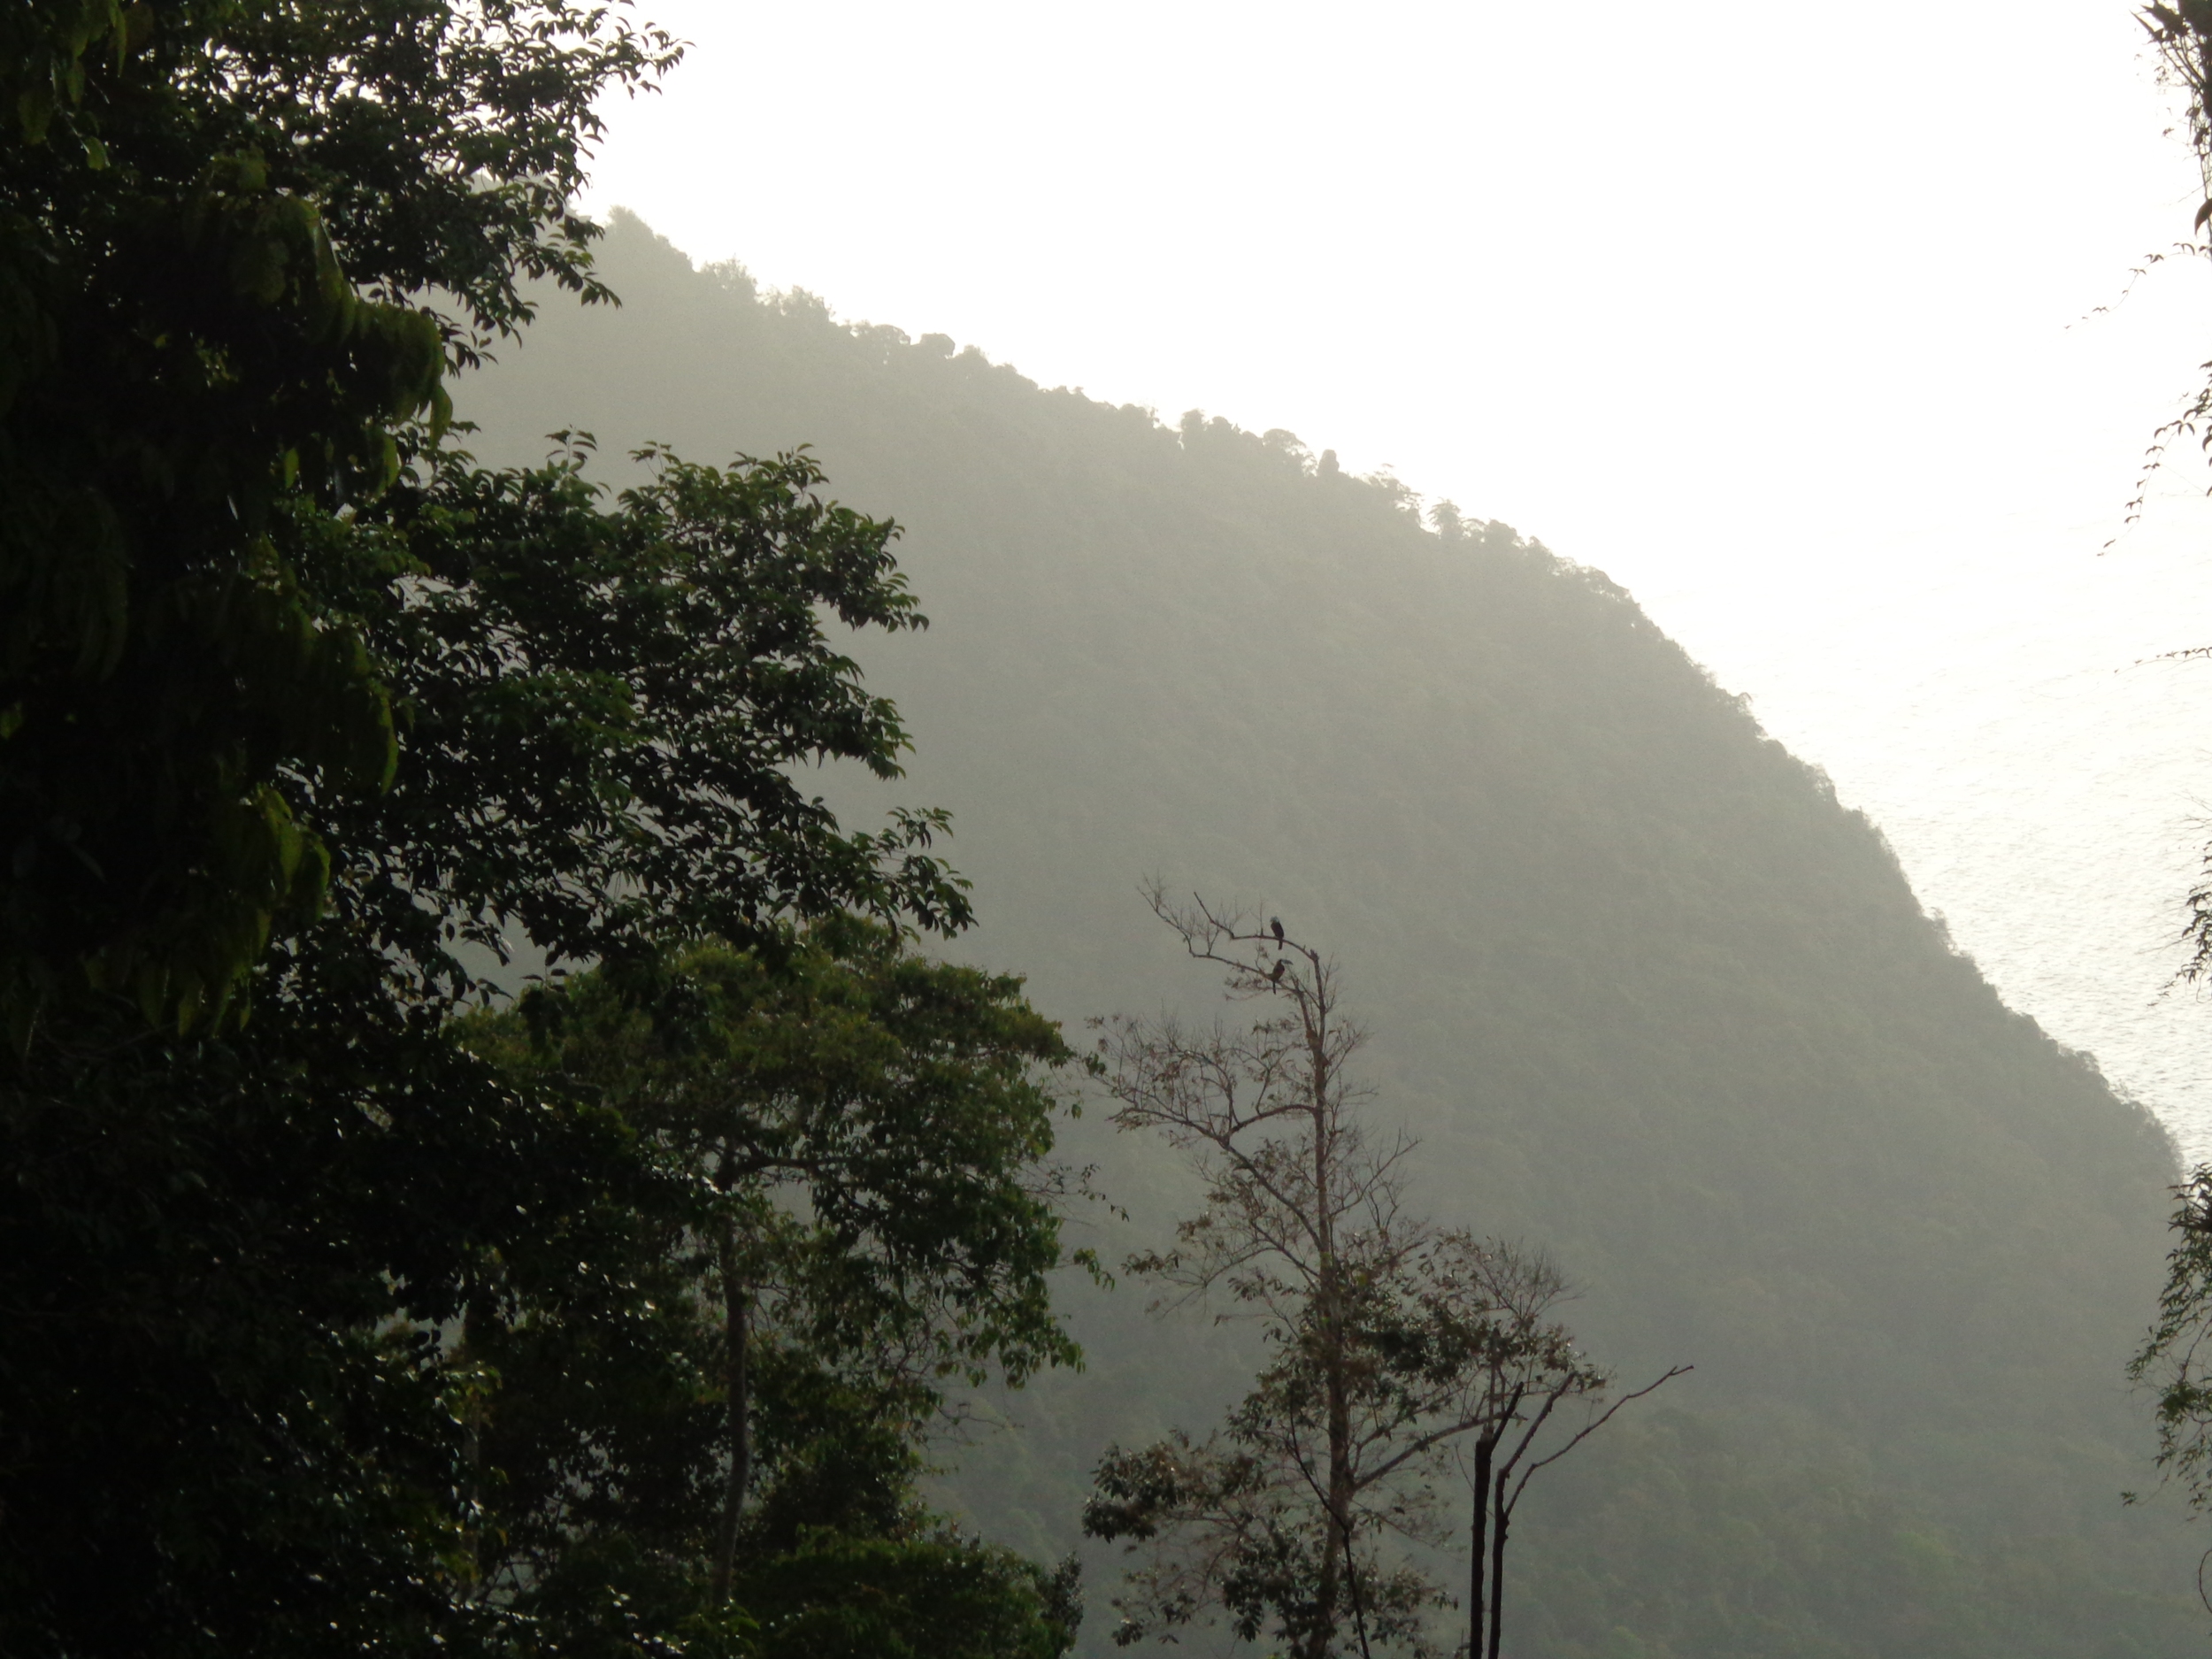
[239, 245]
[247, 1426]
[347, 1329]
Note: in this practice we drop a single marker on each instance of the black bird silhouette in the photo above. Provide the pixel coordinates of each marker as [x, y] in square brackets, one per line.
[1276, 922]
[1276, 978]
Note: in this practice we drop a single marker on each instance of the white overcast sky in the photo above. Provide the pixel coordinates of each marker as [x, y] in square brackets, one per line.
[1783, 315]
[1707, 281]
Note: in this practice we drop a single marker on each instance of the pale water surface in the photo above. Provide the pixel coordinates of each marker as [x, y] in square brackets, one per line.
[1993, 697]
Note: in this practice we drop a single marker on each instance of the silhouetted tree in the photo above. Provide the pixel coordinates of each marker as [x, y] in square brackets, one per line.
[1531, 1397]
[1392, 1339]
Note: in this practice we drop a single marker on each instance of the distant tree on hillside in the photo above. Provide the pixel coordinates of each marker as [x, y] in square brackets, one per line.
[1394, 1339]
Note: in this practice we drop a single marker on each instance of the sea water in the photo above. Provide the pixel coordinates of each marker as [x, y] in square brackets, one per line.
[2000, 698]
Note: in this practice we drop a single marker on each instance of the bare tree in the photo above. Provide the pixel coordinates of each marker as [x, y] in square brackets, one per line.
[1394, 1339]
[1530, 1397]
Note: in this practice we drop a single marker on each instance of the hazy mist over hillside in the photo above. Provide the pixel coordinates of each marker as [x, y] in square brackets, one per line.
[1009, 832]
[1782, 318]
[1650, 994]
[1788, 334]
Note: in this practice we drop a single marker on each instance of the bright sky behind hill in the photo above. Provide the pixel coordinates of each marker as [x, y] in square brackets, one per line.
[1782, 315]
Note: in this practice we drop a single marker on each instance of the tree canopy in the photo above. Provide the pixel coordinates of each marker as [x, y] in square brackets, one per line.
[241, 245]
[599, 713]
[363, 1322]
[854, 1209]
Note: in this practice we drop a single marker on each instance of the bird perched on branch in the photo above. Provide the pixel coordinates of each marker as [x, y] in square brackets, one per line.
[1276, 978]
[1276, 923]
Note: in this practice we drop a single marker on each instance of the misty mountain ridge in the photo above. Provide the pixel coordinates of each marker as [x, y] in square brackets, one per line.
[1650, 996]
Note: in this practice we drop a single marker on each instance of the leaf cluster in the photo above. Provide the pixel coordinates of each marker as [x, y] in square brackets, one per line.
[877, 1127]
[239, 243]
[2171, 1361]
[606, 708]
[933, 1595]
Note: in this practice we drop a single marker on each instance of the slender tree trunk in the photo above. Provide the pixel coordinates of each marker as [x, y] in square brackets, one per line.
[1339, 1446]
[1343, 1521]
[1485, 1449]
[737, 1384]
[1336, 1531]
[1498, 1517]
[1336, 1546]
[1324, 1601]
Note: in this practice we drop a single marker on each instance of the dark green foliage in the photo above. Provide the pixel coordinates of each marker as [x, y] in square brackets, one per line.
[853, 1139]
[873, 1123]
[237, 1432]
[1646, 991]
[243, 1428]
[639, 687]
[336, 1335]
[837, 1454]
[221, 223]
[933, 1595]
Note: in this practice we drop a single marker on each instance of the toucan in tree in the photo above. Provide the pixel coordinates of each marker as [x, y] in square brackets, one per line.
[1276, 922]
[1276, 978]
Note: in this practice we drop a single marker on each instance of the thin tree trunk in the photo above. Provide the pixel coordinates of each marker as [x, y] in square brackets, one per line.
[1336, 1547]
[737, 1387]
[1499, 1515]
[1335, 1537]
[1325, 1604]
[1359, 1605]
[1485, 1449]
[1341, 1472]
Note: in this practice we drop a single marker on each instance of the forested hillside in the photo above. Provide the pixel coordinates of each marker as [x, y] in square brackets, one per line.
[1650, 996]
